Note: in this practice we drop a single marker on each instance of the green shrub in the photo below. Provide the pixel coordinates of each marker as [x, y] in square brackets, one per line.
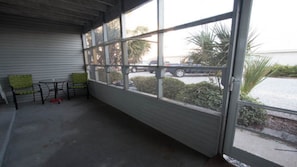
[115, 76]
[284, 71]
[202, 94]
[249, 115]
[171, 86]
[145, 84]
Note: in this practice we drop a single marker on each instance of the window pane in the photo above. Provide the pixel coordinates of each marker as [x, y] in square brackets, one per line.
[101, 74]
[203, 89]
[115, 76]
[206, 45]
[142, 56]
[194, 59]
[99, 35]
[115, 54]
[92, 72]
[88, 57]
[178, 12]
[88, 39]
[135, 22]
[146, 83]
[98, 55]
[142, 50]
[113, 30]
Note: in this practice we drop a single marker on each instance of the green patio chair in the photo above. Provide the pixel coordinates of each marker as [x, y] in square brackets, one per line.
[23, 85]
[78, 81]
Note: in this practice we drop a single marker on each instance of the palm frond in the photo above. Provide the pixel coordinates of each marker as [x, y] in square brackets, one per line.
[255, 71]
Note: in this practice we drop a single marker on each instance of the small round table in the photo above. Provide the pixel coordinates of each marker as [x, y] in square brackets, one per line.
[55, 82]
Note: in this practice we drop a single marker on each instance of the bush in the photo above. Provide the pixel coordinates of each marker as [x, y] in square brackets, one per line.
[249, 115]
[145, 84]
[171, 86]
[284, 71]
[202, 94]
[114, 76]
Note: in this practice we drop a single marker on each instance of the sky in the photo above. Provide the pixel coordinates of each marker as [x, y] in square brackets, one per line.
[275, 22]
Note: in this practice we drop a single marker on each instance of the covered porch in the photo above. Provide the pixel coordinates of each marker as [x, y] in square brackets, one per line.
[186, 106]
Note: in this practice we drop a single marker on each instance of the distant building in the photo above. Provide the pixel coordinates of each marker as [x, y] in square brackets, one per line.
[287, 57]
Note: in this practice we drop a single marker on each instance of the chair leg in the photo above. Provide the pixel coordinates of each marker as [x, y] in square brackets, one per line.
[88, 95]
[68, 96]
[34, 97]
[41, 95]
[15, 101]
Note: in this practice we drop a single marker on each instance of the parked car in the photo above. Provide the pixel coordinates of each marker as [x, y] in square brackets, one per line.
[142, 66]
[153, 64]
[179, 70]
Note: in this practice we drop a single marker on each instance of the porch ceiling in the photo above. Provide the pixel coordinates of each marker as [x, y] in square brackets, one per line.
[74, 12]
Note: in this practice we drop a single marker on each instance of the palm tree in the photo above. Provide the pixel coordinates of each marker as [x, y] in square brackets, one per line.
[205, 42]
[137, 47]
[212, 49]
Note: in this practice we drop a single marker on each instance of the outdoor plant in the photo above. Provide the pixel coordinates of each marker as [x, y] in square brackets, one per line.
[256, 69]
[284, 71]
[171, 86]
[114, 76]
[202, 94]
[249, 115]
[211, 49]
[209, 95]
[145, 84]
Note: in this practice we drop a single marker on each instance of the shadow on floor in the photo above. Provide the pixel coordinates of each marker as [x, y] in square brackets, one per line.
[89, 133]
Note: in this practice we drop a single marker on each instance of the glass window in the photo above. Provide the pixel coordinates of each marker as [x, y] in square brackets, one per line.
[88, 56]
[113, 30]
[116, 76]
[115, 54]
[135, 22]
[194, 58]
[99, 35]
[175, 13]
[101, 74]
[88, 37]
[142, 56]
[98, 55]
[206, 45]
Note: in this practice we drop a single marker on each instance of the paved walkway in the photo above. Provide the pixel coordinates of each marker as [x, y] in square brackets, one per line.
[275, 150]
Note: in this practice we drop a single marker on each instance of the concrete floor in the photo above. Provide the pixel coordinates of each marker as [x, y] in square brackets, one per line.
[89, 133]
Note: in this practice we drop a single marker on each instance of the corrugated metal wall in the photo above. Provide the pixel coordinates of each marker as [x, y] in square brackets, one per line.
[45, 50]
[197, 129]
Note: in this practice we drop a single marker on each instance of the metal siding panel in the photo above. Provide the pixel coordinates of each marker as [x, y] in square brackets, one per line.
[43, 50]
[196, 129]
